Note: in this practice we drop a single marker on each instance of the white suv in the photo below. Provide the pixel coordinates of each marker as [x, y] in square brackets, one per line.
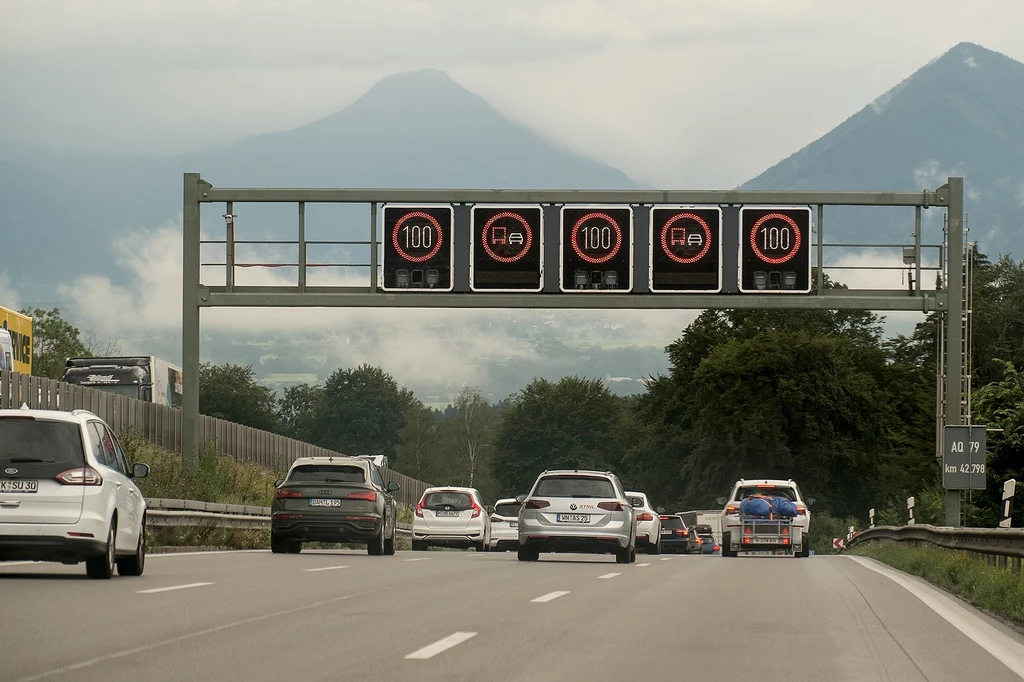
[451, 517]
[648, 523]
[66, 493]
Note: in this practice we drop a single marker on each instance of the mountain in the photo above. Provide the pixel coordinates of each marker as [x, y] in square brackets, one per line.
[416, 129]
[961, 114]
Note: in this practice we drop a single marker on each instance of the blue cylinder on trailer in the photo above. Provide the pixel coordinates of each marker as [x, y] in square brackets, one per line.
[755, 506]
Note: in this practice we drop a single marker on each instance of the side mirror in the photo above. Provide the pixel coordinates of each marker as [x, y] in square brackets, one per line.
[490, 510]
[660, 510]
[520, 498]
[140, 470]
[278, 482]
[392, 486]
[720, 500]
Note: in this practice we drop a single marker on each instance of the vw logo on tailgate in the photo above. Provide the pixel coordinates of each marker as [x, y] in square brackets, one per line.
[10, 470]
[572, 506]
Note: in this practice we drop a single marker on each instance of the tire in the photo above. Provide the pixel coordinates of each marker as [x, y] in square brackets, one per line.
[419, 546]
[389, 546]
[526, 554]
[294, 547]
[135, 564]
[632, 555]
[277, 545]
[102, 567]
[655, 548]
[375, 547]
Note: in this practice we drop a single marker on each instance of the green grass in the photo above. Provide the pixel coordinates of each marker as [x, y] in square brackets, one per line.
[998, 591]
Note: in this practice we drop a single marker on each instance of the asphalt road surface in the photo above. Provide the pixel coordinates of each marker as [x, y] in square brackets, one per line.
[486, 617]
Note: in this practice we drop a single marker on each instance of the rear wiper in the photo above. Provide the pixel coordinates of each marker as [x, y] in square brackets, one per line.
[29, 460]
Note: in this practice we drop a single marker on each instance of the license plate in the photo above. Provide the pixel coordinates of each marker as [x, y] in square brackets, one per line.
[572, 518]
[766, 541]
[446, 513]
[666, 532]
[9, 486]
[513, 524]
[324, 503]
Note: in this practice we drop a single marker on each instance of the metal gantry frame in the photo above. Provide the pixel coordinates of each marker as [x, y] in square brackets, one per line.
[949, 302]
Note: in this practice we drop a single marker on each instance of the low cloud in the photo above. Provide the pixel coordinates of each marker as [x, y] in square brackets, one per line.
[9, 297]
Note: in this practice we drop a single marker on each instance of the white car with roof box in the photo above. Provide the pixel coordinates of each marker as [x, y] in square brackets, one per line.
[67, 493]
[570, 510]
[648, 523]
[505, 525]
[451, 517]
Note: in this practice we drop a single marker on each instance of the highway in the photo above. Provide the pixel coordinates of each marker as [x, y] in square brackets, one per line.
[465, 616]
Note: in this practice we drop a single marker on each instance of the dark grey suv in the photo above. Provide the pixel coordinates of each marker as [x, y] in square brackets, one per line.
[334, 499]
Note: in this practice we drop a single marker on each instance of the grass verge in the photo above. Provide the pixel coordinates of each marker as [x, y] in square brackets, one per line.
[995, 590]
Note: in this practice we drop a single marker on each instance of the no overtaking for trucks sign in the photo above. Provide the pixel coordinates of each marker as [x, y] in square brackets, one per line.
[963, 458]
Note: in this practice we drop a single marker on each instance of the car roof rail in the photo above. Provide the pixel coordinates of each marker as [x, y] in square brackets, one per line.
[85, 413]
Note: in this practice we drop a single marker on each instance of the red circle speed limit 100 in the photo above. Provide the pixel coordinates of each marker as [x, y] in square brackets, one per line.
[775, 238]
[417, 236]
[596, 238]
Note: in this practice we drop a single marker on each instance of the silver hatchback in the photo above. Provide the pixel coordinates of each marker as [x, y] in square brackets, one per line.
[577, 511]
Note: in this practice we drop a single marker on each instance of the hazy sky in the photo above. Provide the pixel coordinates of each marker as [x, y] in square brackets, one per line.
[691, 92]
[677, 93]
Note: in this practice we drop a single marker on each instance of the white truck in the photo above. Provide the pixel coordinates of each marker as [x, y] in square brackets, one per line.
[770, 534]
[704, 517]
[142, 377]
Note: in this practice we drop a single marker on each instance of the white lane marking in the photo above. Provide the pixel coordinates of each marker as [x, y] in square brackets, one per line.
[184, 638]
[164, 555]
[642, 565]
[549, 596]
[667, 558]
[441, 645]
[422, 558]
[172, 588]
[322, 568]
[1009, 651]
[607, 575]
[5, 564]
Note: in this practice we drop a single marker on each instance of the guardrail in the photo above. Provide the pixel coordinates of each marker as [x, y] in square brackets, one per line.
[165, 513]
[998, 544]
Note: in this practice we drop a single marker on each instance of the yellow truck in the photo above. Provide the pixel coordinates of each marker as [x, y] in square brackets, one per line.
[20, 328]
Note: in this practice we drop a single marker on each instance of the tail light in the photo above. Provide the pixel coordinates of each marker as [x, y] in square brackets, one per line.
[664, 518]
[801, 510]
[732, 509]
[785, 530]
[476, 508]
[418, 509]
[368, 495]
[610, 506]
[646, 516]
[537, 504]
[80, 476]
[682, 531]
[717, 548]
[747, 530]
[287, 492]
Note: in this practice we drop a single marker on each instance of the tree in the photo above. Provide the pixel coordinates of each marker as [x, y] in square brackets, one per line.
[419, 439]
[363, 412]
[1000, 404]
[231, 392]
[54, 340]
[300, 410]
[470, 428]
[575, 423]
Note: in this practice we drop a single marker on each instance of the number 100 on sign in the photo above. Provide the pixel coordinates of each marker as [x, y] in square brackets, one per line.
[417, 248]
[775, 250]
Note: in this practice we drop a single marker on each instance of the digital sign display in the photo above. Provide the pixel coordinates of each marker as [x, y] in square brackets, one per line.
[507, 248]
[775, 250]
[686, 249]
[596, 249]
[418, 248]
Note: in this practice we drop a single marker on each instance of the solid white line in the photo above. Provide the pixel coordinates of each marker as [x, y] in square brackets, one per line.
[172, 588]
[607, 575]
[549, 596]
[216, 552]
[322, 568]
[422, 558]
[186, 637]
[667, 558]
[441, 645]
[1006, 649]
[642, 565]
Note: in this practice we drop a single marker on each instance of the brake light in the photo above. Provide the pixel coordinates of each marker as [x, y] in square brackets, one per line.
[537, 504]
[610, 506]
[765, 485]
[717, 548]
[80, 476]
[732, 509]
[476, 508]
[681, 531]
[368, 495]
[664, 518]
[288, 492]
[800, 510]
[645, 517]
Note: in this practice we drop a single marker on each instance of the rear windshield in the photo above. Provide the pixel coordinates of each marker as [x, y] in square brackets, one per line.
[575, 486]
[327, 473]
[455, 500]
[507, 510]
[787, 493]
[39, 447]
[702, 530]
[672, 522]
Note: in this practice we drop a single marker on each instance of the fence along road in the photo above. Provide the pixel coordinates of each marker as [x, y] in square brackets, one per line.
[161, 426]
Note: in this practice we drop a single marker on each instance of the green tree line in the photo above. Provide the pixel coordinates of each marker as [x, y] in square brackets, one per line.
[817, 396]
